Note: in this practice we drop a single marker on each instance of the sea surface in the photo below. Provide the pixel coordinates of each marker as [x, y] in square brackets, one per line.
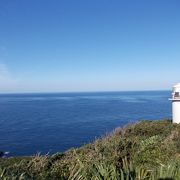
[53, 122]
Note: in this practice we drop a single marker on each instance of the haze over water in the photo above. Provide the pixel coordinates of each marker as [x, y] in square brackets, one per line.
[53, 122]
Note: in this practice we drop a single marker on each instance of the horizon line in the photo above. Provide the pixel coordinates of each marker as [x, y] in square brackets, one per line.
[66, 92]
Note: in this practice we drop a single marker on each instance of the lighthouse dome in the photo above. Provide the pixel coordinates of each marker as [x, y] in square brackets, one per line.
[176, 88]
[177, 85]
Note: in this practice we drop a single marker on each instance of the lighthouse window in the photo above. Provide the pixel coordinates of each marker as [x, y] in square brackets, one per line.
[176, 94]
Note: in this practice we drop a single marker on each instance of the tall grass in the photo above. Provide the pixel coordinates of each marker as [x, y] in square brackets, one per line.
[148, 150]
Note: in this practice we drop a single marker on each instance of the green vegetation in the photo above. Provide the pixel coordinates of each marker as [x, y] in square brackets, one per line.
[148, 150]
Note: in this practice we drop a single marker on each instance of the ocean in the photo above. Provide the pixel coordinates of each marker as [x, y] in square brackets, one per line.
[54, 122]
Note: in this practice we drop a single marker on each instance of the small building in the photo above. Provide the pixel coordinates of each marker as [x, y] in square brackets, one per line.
[176, 103]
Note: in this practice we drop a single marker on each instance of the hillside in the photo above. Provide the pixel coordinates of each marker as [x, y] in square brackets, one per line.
[145, 150]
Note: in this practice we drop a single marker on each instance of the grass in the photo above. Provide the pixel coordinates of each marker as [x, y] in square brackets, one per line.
[146, 150]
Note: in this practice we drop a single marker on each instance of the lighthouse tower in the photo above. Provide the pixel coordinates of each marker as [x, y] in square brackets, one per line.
[176, 104]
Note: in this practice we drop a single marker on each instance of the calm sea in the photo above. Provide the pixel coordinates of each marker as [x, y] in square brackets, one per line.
[48, 123]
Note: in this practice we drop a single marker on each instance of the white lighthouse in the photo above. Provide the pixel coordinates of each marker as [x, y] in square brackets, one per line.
[176, 103]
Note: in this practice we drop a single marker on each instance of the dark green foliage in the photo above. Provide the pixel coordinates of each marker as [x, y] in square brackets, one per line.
[145, 150]
[146, 129]
[1, 154]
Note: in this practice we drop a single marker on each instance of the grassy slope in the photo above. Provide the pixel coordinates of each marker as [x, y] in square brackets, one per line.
[140, 149]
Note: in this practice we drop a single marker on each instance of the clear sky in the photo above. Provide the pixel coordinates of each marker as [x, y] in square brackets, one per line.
[89, 45]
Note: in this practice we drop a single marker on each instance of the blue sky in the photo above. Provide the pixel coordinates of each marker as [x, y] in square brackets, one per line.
[89, 45]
